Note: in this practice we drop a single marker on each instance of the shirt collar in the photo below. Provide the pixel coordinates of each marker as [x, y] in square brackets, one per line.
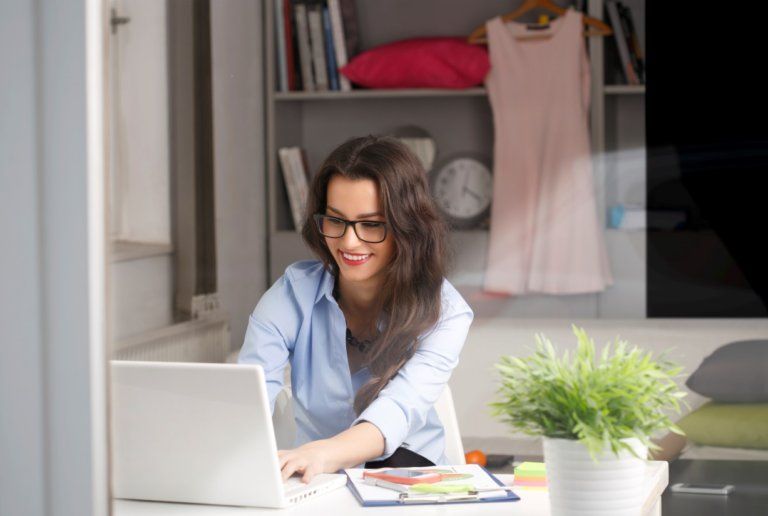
[325, 289]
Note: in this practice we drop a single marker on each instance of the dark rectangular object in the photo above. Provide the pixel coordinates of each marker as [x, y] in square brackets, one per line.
[748, 477]
[707, 156]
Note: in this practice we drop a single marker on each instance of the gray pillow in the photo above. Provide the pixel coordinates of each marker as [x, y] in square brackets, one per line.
[735, 373]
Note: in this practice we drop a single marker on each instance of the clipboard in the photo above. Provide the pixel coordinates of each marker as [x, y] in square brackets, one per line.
[375, 496]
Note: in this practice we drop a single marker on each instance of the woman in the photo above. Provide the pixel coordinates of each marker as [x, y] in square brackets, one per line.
[372, 329]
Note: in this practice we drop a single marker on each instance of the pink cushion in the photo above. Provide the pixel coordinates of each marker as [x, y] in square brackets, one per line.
[435, 62]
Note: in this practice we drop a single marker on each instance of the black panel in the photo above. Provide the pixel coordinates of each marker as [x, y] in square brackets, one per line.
[707, 144]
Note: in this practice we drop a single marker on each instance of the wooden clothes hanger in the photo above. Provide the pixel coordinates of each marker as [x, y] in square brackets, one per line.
[478, 35]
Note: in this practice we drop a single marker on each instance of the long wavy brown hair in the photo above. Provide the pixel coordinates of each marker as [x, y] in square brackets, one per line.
[410, 301]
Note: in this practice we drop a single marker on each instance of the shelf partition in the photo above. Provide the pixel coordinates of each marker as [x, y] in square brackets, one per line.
[378, 93]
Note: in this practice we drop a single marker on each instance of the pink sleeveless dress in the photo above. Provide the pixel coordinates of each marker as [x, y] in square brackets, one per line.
[545, 235]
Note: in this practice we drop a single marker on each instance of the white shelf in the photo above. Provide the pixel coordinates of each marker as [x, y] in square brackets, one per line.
[625, 89]
[610, 89]
[123, 250]
[378, 94]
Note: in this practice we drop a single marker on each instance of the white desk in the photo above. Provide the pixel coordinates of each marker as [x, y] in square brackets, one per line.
[533, 502]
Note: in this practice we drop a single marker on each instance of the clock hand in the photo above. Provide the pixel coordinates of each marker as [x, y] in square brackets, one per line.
[474, 194]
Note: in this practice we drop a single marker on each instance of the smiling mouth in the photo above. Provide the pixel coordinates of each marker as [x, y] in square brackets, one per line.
[355, 259]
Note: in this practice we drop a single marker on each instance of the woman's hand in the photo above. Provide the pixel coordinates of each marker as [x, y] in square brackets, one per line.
[310, 459]
[356, 445]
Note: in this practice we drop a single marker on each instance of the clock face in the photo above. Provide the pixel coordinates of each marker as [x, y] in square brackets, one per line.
[463, 189]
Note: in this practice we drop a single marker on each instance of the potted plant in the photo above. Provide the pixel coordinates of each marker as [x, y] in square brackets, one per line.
[595, 415]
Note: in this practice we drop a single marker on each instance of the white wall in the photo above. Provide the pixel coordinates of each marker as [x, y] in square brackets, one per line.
[22, 425]
[238, 113]
[53, 431]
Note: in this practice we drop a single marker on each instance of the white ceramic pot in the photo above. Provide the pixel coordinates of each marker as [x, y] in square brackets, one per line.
[578, 486]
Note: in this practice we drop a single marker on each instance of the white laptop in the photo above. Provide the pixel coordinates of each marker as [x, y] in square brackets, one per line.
[199, 433]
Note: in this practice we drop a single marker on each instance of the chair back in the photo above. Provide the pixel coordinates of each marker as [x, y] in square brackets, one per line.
[454, 449]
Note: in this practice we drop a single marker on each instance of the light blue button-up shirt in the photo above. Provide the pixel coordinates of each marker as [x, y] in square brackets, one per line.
[299, 320]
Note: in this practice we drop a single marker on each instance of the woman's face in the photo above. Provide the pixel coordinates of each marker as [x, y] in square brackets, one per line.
[357, 199]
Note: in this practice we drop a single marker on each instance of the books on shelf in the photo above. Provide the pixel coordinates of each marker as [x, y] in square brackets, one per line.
[314, 18]
[305, 53]
[314, 39]
[627, 42]
[333, 78]
[633, 42]
[293, 162]
[339, 42]
[282, 66]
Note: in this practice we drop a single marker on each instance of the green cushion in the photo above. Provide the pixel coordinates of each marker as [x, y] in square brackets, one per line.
[733, 425]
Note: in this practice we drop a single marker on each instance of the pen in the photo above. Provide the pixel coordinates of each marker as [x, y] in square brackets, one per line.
[439, 498]
[455, 488]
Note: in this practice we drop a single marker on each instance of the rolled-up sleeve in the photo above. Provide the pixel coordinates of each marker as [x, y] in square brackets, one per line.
[403, 404]
[270, 336]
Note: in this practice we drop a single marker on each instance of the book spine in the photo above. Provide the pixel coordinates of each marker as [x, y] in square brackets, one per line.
[621, 42]
[351, 31]
[628, 38]
[333, 74]
[635, 44]
[286, 164]
[296, 52]
[290, 51]
[282, 75]
[314, 18]
[298, 161]
[339, 45]
[305, 54]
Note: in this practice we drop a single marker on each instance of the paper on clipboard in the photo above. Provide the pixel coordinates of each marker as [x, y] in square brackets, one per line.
[473, 474]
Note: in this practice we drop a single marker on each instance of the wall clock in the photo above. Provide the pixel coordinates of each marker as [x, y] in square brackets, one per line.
[462, 186]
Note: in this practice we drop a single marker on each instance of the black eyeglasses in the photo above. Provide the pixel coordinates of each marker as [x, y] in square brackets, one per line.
[371, 231]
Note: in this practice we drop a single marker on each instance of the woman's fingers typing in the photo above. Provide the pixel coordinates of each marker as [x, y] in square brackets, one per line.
[308, 460]
[309, 472]
[282, 459]
[293, 465]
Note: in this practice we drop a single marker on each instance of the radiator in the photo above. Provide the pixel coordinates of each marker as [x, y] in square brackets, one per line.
[198, 340]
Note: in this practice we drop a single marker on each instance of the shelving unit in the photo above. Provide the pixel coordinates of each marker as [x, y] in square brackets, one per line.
[618, 143]
[615, 89]
[377, 94]
[459, 120]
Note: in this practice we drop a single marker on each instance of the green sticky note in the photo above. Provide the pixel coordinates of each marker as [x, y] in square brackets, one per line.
[531, 468]
[445, 488]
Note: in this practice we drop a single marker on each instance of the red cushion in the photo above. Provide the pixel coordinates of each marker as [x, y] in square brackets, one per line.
[436, 62]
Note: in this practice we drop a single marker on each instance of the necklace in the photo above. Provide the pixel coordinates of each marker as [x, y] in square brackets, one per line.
[362, 345]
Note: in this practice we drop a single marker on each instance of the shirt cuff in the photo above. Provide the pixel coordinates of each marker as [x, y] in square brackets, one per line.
[389, 418]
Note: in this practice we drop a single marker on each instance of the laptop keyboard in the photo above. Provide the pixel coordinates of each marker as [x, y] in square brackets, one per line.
[294, 483]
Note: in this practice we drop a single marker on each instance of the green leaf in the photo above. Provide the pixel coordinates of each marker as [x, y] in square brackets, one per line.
[598, 398]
